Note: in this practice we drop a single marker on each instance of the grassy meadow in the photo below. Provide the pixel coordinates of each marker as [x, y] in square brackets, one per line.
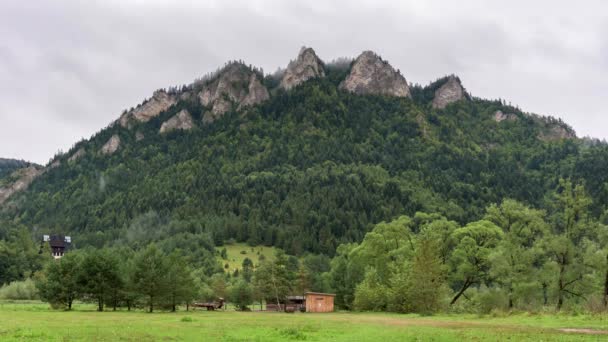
[34, 321]
[236, 256]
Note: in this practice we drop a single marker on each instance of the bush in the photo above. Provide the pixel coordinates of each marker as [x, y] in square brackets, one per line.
[19, 290]
[595, 304]
[491, 299]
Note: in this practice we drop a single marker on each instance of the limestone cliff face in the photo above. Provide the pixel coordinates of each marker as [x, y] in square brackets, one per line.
[23, 178]
[305, 67]
[111, 146]
[181, 120]
[451, 91]
[499, 116]
[371, 75]
[257, 92]
[236, 87]
[552, 129]
[556, 132]
[77, 155]
[55, 164]
[159, 102]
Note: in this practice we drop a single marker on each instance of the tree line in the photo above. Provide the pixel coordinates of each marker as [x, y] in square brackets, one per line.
[514, 258]
[153, 279]
[118, 278]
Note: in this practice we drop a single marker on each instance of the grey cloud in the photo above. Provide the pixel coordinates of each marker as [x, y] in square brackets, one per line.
[70, 67]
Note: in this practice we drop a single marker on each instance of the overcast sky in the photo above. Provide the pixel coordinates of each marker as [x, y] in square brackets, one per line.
[68, 68]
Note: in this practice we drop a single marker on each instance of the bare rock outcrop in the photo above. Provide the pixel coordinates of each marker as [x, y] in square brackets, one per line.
[556, 132]
[159, 102]
[112, 145]
[305, 67]
[22, 179]
[451, 91]
[552, 129]
[181, 120]
[77, 155]
[257, 93]
[499, 116]
[236, 86]
[139, 136]
[372, 75]
[55, 164]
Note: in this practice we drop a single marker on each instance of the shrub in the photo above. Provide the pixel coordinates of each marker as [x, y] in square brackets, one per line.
[19, 290]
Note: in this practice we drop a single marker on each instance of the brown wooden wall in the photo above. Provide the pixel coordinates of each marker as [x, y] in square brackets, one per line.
[319, 302]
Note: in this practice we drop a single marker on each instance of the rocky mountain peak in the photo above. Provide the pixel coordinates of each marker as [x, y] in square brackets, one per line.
[451, 91]
[235, 87]
[305, 67]
[372, 75]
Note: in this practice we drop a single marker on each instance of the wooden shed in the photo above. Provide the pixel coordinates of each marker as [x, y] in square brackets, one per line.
[319, 302]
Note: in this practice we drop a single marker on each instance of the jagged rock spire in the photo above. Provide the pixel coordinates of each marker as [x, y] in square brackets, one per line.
[305, 67]
[372, 75]
[237, 85]
[451, 91]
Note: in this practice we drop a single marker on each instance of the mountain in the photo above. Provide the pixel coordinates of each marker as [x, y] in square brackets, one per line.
[303, 159]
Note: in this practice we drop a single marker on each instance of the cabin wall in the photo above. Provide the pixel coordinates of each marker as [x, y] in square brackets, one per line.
[319, 303]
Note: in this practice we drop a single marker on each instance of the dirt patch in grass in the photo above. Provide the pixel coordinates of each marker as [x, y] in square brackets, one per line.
[584, 331]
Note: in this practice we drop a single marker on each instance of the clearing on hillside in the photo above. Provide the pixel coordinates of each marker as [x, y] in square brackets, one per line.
[237, 252]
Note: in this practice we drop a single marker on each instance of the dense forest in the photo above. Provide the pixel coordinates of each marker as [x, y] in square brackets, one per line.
[376, 198]
[513, 258]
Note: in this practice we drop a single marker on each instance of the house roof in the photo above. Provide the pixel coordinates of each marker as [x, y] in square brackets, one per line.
[58, 241]
[321, 294]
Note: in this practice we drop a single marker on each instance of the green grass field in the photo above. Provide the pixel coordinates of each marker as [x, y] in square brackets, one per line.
[235, 256]
[33, 321]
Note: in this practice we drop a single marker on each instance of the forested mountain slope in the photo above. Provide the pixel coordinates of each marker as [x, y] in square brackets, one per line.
[8, 166]
[305, 163]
